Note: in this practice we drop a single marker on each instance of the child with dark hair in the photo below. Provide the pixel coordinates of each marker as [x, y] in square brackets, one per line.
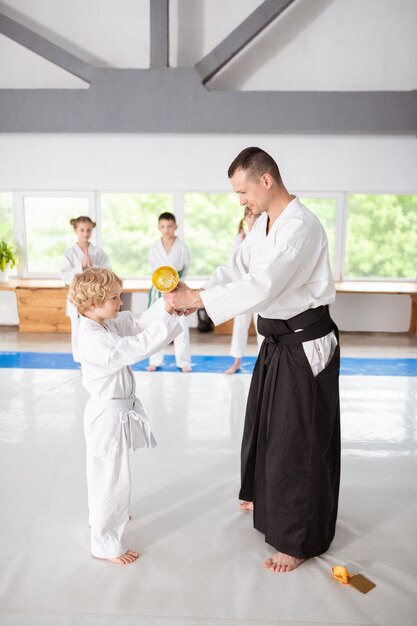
[171, 250]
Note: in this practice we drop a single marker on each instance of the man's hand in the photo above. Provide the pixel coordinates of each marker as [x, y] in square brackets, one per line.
[187, 312]
[184, 299]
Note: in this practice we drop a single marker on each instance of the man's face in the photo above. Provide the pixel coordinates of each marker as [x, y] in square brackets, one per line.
[252, 193]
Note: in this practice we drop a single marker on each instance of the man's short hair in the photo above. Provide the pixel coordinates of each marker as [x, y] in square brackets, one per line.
[92, 286]
[255, 162]
[167, 216]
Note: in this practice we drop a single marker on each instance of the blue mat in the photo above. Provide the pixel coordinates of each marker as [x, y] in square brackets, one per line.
[208, 364]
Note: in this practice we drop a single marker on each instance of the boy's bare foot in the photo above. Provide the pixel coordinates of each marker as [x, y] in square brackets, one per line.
[152, 368]
[128, 557]
[280, 562]
[186, 369]
[233, 368]
[246, 506]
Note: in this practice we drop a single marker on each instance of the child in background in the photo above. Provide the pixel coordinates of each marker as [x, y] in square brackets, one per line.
[170, 250]
[242, 322]
[76, 259]
[109, 342]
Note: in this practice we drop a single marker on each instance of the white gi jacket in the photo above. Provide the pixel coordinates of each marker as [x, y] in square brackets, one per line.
[179, 259]
[278, 275]
[106, 355]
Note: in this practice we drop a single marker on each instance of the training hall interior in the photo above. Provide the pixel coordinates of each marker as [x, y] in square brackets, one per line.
[122, 111]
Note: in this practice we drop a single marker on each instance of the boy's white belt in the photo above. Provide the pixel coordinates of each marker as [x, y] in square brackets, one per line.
[133, 419]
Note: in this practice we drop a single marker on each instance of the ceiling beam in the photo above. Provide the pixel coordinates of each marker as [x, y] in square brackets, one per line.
[174, 100]
[239, 38]
[45, 48]
[159, 33]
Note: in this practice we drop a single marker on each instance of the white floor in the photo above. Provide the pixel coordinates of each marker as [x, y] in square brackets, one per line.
[201, 560]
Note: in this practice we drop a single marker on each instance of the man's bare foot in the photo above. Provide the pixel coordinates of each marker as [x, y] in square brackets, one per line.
[152, 368]
[186, 369]
[246, 506]
[233, 368]
[128, 557]
[280, 562]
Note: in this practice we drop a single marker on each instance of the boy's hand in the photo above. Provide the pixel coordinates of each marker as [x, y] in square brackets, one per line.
[168, 307]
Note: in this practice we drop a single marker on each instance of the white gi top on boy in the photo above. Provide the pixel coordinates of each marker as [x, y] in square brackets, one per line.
[107, 353]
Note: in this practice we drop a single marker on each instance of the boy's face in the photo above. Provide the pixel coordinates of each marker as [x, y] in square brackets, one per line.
[167, 228]
[110, 309]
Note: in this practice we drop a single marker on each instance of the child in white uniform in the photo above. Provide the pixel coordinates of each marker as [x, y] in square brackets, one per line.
[242, 322]
[76, 259]
[114, 419]
[170, 250]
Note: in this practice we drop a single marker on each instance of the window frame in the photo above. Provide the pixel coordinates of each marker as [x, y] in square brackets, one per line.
[178, 197]
[19, 224]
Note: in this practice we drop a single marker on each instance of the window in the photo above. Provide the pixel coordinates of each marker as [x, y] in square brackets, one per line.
[47, 229]
[325, 210]
[381, 240]
[129, 226]
[211, 225]
[6, 222]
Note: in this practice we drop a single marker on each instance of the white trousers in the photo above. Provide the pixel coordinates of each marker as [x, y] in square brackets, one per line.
[111, 428]
[181, 347]
[74, 338]
[240, 334]
[109, 487]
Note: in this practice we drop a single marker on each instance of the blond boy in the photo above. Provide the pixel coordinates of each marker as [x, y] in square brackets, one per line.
[114, 419]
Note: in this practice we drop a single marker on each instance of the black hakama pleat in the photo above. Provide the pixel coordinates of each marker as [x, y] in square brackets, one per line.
[291, 441]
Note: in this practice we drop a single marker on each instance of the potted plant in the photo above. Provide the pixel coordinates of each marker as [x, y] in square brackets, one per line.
[7, 260]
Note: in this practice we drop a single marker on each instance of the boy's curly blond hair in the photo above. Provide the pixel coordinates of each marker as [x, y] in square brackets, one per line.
[92, 286]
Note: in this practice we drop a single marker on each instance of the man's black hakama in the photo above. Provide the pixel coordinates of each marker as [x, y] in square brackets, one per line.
[291, 440]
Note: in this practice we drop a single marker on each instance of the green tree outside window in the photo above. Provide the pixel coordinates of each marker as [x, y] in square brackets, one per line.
[129, 226]
[211, 225]
[381, 236]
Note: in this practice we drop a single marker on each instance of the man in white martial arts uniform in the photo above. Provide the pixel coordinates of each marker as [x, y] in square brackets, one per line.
[114, 419]
[290, 462]
[171, 250]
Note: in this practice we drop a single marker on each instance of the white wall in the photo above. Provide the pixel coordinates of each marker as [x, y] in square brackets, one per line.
[200, 162]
